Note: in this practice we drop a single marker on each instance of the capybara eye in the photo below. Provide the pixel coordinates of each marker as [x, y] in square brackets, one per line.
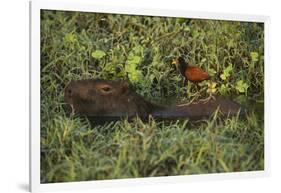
[106, 89]
[69, 91]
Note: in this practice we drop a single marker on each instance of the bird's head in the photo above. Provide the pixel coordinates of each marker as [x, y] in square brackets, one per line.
[179, 61]
[180, 64]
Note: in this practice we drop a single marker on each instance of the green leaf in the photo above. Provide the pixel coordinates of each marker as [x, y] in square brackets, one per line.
[223, 77]
[254, 56]
[186, 29]
[134, 74]
[181, 20]
[151, 77]
[228, 69]
[70, 38]
[241, 86]
[212, 87]
[98, 54]
[230, 44]
[195, 33]
[224, 89]
[226, 72]
[134, 59]
[138, 50]
[203, 60]
[212, 71]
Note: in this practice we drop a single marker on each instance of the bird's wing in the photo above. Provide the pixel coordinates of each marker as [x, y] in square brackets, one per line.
[196, 73]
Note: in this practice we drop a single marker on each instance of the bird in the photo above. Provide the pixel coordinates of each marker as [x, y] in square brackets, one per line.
[191, 73]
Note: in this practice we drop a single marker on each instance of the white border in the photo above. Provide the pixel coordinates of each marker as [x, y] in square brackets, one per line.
[35, 7]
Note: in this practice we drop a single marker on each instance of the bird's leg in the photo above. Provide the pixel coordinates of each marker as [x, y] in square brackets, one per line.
[187, 86]
[210, 97]
[197, 88]
[210, 90]
[195, 96]
[207, 99]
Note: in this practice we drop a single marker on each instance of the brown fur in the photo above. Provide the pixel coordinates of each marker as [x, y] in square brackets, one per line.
[116, 99]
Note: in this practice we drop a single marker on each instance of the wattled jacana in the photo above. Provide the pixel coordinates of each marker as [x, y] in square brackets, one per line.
[191, 73]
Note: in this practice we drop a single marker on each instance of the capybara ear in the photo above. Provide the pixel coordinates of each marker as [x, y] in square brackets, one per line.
[124, 87]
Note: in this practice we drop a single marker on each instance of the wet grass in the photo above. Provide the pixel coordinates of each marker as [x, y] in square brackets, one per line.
[140, 49]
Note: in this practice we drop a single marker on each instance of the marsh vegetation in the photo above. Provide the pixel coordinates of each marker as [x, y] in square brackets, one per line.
[79, 45]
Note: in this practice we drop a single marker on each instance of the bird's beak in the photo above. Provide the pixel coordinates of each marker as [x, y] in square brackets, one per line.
[175, 62]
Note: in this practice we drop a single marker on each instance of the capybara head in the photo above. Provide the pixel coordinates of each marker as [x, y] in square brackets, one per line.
[103, 98]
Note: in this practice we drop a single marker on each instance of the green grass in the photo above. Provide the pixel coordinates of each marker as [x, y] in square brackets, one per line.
[89, 45]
